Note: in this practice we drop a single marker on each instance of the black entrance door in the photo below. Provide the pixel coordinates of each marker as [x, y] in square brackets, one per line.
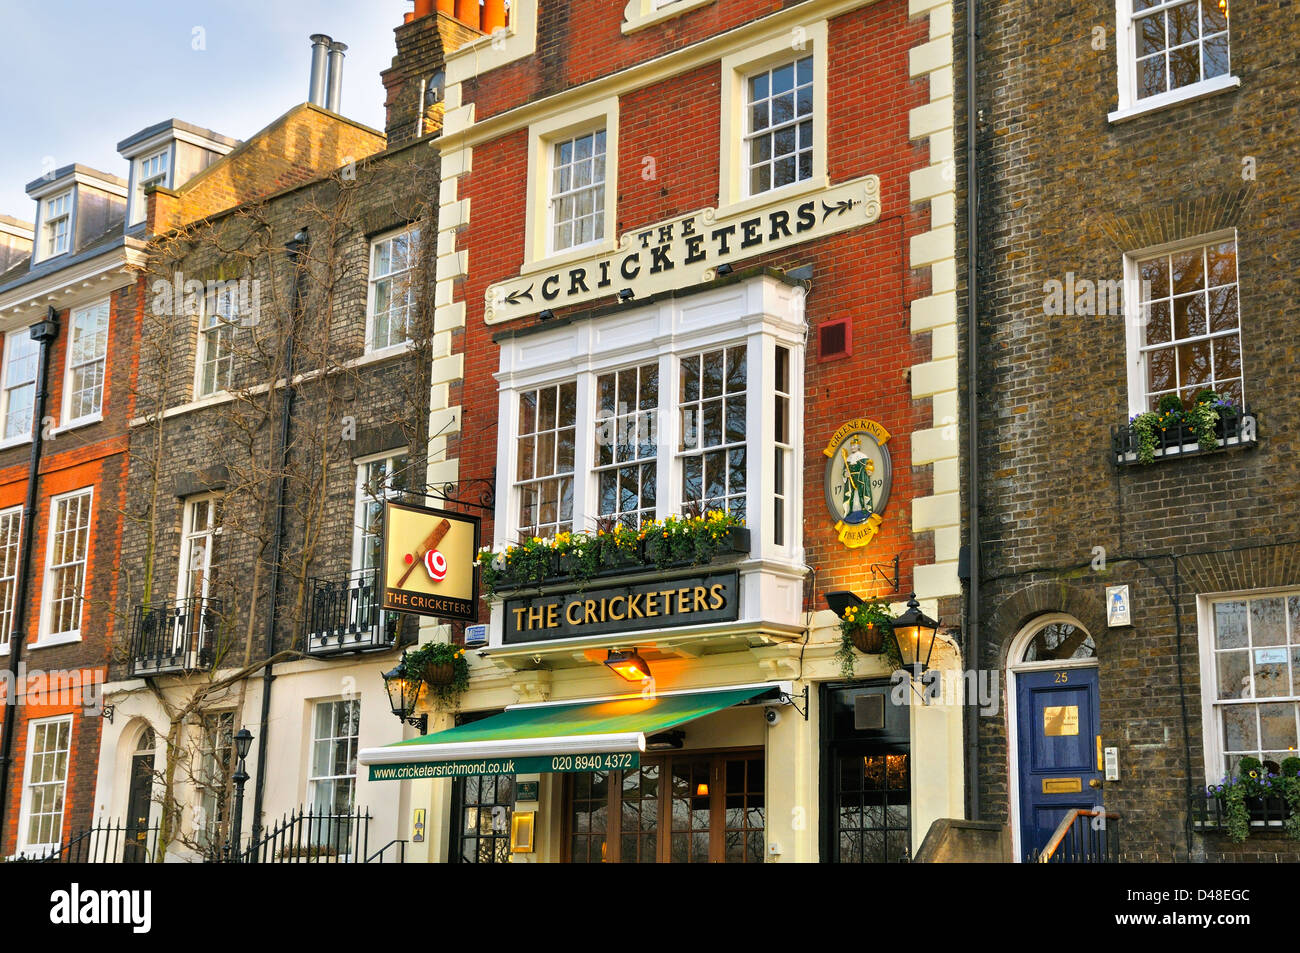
[138, 801]
[866, 759]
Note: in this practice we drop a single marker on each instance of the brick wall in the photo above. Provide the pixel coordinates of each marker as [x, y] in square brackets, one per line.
[1065, 190]
[94, 456]
[862, 274]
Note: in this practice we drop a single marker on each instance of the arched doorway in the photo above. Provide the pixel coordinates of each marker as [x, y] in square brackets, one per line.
[1053, 727]
[139, 800]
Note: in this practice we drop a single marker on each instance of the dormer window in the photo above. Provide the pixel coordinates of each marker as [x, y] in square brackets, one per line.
[56, 223]
[150, 170]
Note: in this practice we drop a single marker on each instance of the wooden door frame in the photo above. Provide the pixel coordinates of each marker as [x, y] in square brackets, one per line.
[663, 845]
[1014, 668]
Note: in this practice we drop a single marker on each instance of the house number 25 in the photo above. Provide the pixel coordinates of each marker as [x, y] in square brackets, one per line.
[1062, 678]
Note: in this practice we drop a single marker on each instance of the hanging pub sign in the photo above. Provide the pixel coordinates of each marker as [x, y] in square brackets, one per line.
[428, 562]
[858, 478]
[686, 250]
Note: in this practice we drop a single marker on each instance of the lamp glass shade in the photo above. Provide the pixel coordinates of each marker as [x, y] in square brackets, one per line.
[243, 740]
[403, 692]
[630, 665]
[914, 631]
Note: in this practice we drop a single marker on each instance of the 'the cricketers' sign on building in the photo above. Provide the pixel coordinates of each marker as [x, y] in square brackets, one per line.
[428, 564]
[686, 250]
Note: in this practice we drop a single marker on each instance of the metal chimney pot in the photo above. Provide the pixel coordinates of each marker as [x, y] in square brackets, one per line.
[335, 93]
[316, 90]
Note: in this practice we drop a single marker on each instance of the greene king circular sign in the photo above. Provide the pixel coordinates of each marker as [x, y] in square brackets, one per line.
[858, 478]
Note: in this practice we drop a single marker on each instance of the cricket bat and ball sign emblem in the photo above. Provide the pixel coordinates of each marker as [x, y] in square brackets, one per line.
[429, 565]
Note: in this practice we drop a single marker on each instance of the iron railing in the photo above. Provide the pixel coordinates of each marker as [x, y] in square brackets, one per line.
[344, 615]
[312, 837]
[1208, 812]
[105, 842]
[1083, 837]
[179, 636]
[1236, 427]
[398, 849]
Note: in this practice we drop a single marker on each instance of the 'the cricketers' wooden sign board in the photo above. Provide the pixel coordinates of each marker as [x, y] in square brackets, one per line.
[429, 562]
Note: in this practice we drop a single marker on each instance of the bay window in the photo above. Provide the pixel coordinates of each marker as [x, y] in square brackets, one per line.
[545, 455]
[662, 419]
[712, 407]
[626, 451]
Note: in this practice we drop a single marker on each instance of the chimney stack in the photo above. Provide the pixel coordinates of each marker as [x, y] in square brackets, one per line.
[335, 95]
[316, 90]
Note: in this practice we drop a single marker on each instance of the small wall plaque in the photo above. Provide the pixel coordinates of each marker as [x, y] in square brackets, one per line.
[1117, 606]
[525, 791]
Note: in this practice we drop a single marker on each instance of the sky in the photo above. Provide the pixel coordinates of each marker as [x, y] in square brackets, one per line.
[79, 76]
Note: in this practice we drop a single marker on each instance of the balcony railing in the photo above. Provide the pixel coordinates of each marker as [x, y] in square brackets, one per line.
[343, 615]
[1236, 428]
[170, 637]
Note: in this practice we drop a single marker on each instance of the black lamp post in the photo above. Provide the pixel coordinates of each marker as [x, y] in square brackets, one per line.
[243, 740]
[915, 632]
[403, 694]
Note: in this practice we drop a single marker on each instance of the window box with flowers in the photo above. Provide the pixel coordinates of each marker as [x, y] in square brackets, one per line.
[1254, 798]
[1211, 422]
[573, 559]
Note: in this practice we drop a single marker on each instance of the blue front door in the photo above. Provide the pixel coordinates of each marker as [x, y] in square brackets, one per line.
[1059, 732]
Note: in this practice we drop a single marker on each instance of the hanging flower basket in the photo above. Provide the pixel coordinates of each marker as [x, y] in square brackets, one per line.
[441, 673]
[868, 639]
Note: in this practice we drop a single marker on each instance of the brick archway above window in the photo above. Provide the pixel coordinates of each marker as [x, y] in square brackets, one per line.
[1043, 598]
[1152, 225]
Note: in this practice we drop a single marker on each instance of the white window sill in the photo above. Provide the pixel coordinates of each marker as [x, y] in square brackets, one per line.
[50, 641]
[638, 14]
[15, 442]
[383, 353]
[578, 253]
[785, 193]
[1188, 94]
[74, 424]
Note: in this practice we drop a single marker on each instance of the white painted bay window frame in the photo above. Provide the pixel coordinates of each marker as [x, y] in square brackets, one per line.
[760, 315]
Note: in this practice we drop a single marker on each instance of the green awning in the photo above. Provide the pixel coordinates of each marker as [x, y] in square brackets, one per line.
[594, 735]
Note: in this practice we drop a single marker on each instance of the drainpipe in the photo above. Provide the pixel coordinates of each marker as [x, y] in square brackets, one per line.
[297, 249]
[972, 403]
[45, 333]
